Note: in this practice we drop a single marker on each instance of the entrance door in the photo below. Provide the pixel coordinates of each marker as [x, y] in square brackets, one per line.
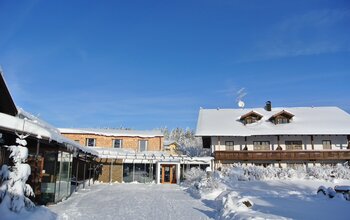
[168, 173]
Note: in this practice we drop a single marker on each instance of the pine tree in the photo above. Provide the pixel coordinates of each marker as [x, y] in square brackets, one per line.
[14, 191]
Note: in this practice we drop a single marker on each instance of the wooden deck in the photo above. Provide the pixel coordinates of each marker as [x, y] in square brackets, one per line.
[302, 155]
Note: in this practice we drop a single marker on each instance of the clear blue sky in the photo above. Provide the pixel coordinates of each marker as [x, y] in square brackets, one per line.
[150, 64]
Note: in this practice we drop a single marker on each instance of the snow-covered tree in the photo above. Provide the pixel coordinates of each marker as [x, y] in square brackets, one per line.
[189, 144]
[14, 191]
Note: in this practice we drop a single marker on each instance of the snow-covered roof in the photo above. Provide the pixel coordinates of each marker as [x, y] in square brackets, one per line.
[306, 121]
[112, 132]
[34, 126]
[169, 142]
[127, 154]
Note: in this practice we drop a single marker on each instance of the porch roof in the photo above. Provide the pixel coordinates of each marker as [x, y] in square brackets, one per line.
[29, 124]
[117, 153]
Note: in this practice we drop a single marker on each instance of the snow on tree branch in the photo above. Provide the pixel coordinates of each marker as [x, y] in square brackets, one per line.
[189, 144]
[14, 191]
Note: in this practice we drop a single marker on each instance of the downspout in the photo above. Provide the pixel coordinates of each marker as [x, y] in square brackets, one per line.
[89, 172]
[219, 146]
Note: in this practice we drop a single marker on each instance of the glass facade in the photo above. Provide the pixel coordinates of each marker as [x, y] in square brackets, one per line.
[139, 172]
[48, 178]
[56, 176]
[63, 178]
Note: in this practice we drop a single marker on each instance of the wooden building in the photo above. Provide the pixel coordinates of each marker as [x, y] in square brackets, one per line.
[50, 154]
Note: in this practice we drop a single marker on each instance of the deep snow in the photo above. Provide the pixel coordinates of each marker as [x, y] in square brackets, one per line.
[292, 196]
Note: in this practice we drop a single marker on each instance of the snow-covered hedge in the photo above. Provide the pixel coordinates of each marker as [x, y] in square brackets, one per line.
[241, 172]
[200, 182]
[328, 172]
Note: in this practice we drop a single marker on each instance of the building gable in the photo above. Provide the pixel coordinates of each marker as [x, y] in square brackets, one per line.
[7, 105]
[282, 117]
[250, 117]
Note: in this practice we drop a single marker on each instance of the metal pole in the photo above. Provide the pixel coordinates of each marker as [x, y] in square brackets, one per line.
[76, 174]
[36, 170]
[89, 172]
[84, 171]
[93, 180]
[110, 172]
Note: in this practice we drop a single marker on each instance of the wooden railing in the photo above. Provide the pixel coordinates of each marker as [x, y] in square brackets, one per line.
[311, 155]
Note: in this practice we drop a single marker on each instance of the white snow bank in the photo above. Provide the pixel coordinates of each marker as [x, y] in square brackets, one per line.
[274, 193]
[39, 212]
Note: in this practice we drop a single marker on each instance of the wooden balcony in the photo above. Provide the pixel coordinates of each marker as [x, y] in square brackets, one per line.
[300, 155]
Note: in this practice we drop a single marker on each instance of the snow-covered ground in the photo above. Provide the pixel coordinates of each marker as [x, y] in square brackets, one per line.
[273, 193]
[285, 199]
[270, 193]
[272, 199]
[133, 201]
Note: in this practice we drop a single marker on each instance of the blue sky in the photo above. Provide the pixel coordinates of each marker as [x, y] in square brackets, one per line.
[151, 64]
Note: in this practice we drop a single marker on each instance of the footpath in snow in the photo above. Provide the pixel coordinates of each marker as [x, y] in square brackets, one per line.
[133, 201]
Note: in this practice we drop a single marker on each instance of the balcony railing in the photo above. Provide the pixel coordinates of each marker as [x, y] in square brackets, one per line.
[311, 155]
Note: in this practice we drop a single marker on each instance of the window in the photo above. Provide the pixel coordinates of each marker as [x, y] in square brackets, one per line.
[282, 120]
[143, 145]
[261, 145]
[294, 145]
[206, 142]
[250, 120]
[117, 143]
[229, 145]
[90, 142]
[327, 145]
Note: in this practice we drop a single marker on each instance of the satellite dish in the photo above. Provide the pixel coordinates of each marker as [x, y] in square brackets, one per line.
[241, 104]
[240, 95]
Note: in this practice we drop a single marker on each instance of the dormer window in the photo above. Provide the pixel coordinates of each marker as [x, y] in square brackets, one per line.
[250, 117]
[282, 117]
